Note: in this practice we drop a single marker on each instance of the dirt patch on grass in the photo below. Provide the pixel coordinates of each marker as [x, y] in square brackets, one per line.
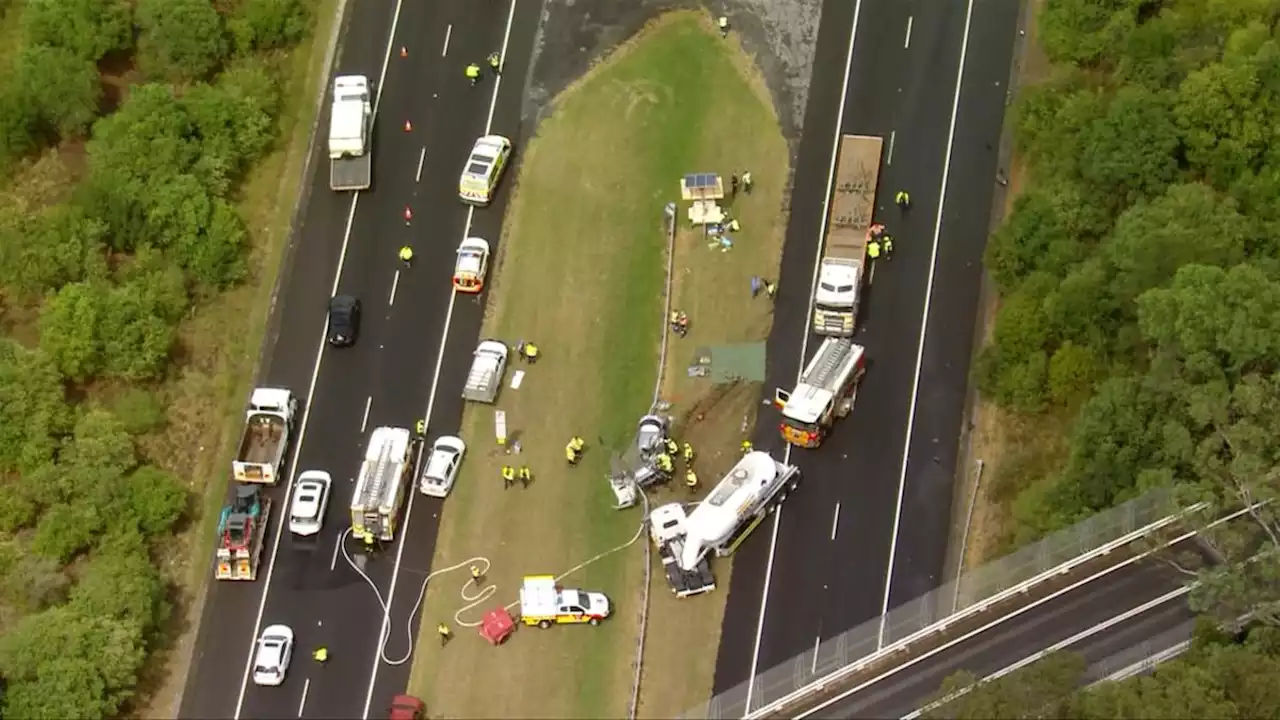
[653, 108]
[1014, 450]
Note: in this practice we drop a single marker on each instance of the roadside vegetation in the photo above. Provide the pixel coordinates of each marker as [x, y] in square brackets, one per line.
[1139, 277]
[1220, 676]
[581, 272]
[135, 237]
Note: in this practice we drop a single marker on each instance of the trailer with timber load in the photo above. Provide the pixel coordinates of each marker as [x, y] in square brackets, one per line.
[720, 523]
[844, 259]
[242, 531]
[380, 488]
[825, 393]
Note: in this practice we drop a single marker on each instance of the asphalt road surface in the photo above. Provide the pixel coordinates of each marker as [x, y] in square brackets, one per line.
[1144, 597]
[409, 362]
[869, 528]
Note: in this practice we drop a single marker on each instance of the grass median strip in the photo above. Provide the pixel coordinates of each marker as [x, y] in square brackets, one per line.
[581, 273]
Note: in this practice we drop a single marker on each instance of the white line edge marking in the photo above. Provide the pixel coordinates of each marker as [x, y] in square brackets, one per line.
[395, 283]
[835, 522]
[893, 139]
[364, 422]
[315, 375]
[448, 33]
[422, 158]
[431, 398]
[906, 44]
[337, 545]
[924, 327]
[1060, 645]
[973, 633]
[302, 704]
[804, 344]
[817, 642]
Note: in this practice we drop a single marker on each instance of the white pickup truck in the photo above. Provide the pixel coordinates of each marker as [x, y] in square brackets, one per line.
[268, 427]
[350, 134]
[488, 365]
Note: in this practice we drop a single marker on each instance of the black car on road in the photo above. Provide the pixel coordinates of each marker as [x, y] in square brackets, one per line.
[344, 320]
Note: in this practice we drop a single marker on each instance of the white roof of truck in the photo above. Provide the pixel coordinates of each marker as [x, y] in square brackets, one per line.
[270, 397]
[539, 596]
[379, 483]
[733, 499]
[824, 376]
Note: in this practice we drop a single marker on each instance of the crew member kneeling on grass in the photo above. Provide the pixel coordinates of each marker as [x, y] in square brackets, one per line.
[573, 451]
[531, 352]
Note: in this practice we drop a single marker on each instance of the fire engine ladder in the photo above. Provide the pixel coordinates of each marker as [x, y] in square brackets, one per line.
[826, 368]
[377, 483]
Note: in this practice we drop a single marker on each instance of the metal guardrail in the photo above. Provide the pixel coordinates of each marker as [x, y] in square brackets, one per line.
[813, 670]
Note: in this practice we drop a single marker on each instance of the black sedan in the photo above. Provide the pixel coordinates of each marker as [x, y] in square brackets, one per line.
[344, 320]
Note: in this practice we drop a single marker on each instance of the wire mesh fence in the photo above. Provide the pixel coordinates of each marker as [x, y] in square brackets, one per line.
[917, 617]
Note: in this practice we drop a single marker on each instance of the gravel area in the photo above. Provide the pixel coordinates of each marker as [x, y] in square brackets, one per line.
[780, 34]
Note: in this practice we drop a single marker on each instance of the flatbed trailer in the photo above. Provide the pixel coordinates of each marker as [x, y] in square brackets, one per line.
[844, 259]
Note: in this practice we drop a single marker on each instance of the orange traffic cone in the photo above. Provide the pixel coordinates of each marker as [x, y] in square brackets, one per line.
[408, 126]
[404, 51]
[408, 214]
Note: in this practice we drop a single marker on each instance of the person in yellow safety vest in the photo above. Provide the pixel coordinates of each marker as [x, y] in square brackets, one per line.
[476, 575]
[473, 73]
[770, 288]
[887, 243]
[746, 446]
[688, 453]
[903, 199]
[508, 476]
[420, 427]
[691, 479]
[406, 255]
[746, 182]
[733, 225]
[570, 454]
[495, 62]
[445, 634]
[873, 249]
[321, 654]
[526, 476]
[368, 540]
[672, 447]
[531, 352]
[664, 463]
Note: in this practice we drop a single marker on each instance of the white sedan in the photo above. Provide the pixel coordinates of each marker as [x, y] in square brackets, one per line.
[310, 499]
[271, 659]
[442, 466]
[471, 266]
[483, 170]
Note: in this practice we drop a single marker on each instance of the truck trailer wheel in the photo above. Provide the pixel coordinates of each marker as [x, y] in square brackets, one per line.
[544, 624]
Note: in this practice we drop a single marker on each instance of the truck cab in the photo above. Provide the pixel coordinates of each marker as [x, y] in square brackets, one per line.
[350, 128]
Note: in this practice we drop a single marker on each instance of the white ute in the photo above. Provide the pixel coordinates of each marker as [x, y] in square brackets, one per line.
[268, 425]
[719, 523]
[488, 365]
[442, 466]
[350, 130]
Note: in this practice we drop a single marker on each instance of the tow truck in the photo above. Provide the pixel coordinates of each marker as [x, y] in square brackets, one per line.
[268, 425]
[843, 269]
[544, 603]
[350, 134]
[719, 524]
[827, 389]
[380, 488]
[242, 531]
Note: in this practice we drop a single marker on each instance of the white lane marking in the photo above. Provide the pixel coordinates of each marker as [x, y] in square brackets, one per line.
[395, 283]
[871, 274]
[1061, 644]
[893, 138]
[293, 462]
[835, 522]
[448, 33]
[386, 60]
[502, 62]
[337, 545]
[422, 158]
[302, 704]
[431, 400]
[817, 641]
[907, 43]
[924, 326]
[364, 422]
[804, 344]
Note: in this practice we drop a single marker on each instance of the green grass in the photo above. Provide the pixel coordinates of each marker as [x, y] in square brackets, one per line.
[581, 273]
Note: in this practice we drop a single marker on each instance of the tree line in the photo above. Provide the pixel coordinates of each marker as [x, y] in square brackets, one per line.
[150, 232]
[1221, 676]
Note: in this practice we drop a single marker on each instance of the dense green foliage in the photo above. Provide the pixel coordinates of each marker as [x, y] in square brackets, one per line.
[150, 232]
[1140, 269]
[1219, 677]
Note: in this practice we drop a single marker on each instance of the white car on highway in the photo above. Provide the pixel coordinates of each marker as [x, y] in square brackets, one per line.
[271, 659]
[442, 466]
[310, 499]
[483, 170]
[471, 266]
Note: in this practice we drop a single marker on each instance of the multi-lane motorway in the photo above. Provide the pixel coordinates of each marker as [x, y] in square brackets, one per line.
[409, 362]
[869, 529]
